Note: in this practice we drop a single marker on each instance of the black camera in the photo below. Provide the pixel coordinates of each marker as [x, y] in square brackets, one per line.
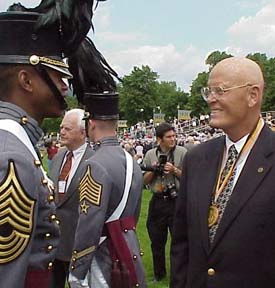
[171, 191]
[159, 168]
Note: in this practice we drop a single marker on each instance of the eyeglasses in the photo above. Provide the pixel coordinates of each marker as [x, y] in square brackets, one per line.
[218, 91]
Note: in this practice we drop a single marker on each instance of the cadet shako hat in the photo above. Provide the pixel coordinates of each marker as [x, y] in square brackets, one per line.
[23, 43]
[102, 106]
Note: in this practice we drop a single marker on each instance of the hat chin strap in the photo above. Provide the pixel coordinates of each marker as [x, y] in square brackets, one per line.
[45, 76]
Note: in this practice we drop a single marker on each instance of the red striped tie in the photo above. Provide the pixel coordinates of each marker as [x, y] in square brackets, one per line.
[65, 171]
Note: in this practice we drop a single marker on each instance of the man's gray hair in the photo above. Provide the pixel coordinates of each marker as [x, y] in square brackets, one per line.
[80, 115]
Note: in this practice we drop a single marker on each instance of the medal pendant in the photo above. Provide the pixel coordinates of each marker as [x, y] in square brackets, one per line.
[213, 215]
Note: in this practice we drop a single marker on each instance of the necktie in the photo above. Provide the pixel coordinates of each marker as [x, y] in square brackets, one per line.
[231, 158]
[64, 173]
[224, 196]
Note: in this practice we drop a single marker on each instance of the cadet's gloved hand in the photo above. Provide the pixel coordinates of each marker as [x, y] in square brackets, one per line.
[76, 283]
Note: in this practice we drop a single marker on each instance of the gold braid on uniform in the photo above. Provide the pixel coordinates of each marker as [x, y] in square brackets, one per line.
[90, 191]
[16, 222]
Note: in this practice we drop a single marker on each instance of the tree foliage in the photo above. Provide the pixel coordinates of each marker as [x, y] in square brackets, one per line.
[138, 94]
[141, 93]
[215, 57]
[195, 102]
[170, 98]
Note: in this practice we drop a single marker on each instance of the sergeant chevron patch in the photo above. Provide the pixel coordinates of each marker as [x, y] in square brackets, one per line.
[16, 222]
[90, 191]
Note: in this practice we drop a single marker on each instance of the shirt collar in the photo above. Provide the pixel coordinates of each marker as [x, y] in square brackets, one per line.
[238, 145]
[79, 150]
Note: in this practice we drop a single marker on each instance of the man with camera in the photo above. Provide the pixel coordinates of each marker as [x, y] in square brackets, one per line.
[162, 166]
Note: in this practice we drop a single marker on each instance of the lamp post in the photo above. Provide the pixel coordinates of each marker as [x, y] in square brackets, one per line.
[178, 108]
[140, 110]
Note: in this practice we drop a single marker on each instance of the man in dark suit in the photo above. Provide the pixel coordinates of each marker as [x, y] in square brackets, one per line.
[224, 229]
[73, 138]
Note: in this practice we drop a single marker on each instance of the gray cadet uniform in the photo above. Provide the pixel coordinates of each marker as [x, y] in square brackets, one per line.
[26, 206]
[104, 179]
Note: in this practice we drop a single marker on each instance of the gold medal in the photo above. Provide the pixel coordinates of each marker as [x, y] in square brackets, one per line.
[213, 215]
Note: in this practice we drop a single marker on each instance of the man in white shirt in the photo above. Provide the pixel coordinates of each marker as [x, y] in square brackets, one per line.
[66, 178]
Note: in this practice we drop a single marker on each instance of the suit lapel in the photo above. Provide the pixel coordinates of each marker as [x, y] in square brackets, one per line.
[74, 182]
[206, 183]
[255, 170]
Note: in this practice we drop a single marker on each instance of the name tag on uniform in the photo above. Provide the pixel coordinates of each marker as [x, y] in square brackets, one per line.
[61, 186]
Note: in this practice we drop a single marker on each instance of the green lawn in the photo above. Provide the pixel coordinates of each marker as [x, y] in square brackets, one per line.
[145, 246]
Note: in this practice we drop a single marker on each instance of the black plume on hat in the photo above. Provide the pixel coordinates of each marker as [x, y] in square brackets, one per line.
[93, 82]
[92, 73]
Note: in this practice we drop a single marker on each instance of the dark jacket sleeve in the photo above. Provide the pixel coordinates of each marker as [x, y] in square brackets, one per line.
[179, 243]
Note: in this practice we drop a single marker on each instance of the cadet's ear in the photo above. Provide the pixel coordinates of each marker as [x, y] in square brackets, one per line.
[91, 123]
[25, 80]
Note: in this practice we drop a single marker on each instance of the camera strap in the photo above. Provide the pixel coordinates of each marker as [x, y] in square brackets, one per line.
[170, 157]
[170, 154]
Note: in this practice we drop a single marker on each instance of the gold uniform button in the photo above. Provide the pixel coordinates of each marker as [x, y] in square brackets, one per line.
[211, 272]
[141, 253]
[72, 267]
[137, 285]
[24, 120]
[52, 217]
[73, 259]
[44, 181]
[37, 163]
[34, 59]
[50, 198]
[48, 235]
[135, 257]
[50, 248]
[125, 230]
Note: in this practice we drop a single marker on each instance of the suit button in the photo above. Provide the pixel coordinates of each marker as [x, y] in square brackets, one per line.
[211, 272]
[50, 265]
